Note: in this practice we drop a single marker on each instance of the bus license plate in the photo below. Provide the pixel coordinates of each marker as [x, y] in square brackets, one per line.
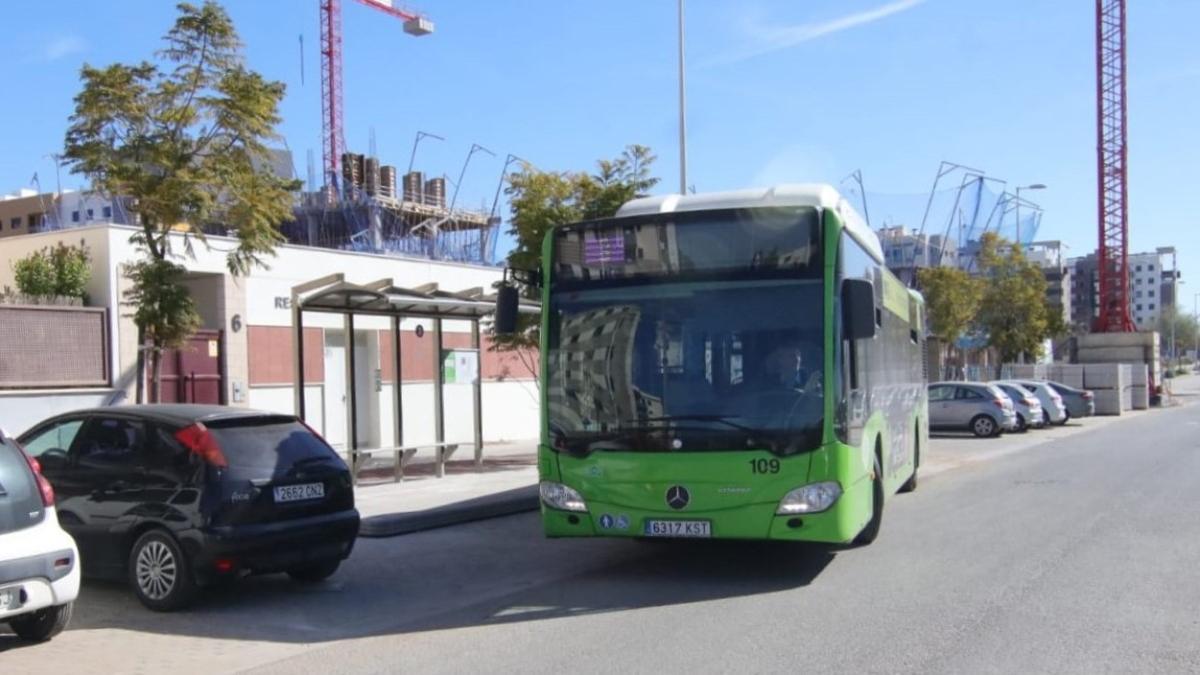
[678, 528]
[297, 493]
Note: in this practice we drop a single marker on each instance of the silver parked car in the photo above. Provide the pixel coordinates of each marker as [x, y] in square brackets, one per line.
[1053, 408]
[1079, 402]
[982, 409]
[1028, 407]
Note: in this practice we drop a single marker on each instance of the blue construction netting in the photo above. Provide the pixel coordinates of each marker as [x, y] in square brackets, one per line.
[961, 210]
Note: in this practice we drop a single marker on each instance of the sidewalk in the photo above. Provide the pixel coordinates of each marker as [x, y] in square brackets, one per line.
[506, 483]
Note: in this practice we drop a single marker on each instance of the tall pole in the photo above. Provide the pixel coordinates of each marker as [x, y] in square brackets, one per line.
[682, 112]
[1196, 329]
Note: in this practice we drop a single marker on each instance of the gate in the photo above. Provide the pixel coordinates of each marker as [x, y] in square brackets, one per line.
[192, 373]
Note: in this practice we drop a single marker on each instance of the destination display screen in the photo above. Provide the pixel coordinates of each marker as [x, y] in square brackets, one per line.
[771, 240]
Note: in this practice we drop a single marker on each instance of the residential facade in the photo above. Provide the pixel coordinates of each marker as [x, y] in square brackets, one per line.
[1152, 287]
[247, 343]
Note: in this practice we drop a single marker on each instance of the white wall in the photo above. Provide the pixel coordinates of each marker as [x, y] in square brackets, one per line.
[21, 410]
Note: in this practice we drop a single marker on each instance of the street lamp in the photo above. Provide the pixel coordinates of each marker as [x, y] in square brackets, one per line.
[1033, 186]
[682, 112]
[1163, 250]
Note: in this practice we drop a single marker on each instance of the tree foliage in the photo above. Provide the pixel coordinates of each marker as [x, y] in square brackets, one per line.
[541, 200]
[1185, 326]
[59, 270]
[183, 140]
[1013, 312]
[952, 299]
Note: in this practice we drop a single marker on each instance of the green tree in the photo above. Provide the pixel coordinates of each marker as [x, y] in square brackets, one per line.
[541, 200]
[952, 300]
[184, 141]
[1013, 311]
[55, 271]
[1185, 330]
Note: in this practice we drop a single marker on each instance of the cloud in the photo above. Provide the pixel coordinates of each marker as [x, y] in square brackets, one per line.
[767, 38]
[63, 45]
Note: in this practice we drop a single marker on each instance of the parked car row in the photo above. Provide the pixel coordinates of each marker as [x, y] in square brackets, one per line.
[170, 498]
[989, 409]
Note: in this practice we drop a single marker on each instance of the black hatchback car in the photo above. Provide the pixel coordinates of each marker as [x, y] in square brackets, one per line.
[176, 497]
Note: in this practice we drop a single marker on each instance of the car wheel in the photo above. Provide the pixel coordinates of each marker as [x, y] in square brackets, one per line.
[311, 574]
[160, 574]
[1022, 425]
[1046, 417]
[43, 624]
[984, 426]
[871, 531]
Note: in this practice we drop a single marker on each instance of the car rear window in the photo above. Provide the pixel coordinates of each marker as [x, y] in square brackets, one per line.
[267, 446]
[20, 499]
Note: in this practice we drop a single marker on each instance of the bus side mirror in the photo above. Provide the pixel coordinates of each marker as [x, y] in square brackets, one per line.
[505, 320]
[858, 309]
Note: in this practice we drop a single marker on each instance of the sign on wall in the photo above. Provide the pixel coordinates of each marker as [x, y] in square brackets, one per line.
[461, 366]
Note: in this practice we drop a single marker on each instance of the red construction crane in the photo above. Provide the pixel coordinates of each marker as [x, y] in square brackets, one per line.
[1112, 166]
[332, 138]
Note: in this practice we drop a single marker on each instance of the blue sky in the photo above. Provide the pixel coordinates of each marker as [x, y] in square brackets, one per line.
[777, 91]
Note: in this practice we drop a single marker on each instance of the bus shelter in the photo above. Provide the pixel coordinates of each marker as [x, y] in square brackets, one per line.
[332, 294]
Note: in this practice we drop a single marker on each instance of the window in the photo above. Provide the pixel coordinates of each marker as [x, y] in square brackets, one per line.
[1138, 268]
[1149, 267]
[1138, 294]
[56, 437]
[111, 443]
[74, 216]
[15, 222]
[1152, 306]
[965, 394]
[107, 212]
[90, 214]
[1150, 293]
[1139, 307]
[940, 394]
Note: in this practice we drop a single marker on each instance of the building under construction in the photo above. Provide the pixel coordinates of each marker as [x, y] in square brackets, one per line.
[379, 211]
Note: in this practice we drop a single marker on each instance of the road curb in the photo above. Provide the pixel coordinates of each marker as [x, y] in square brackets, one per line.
[507, 503]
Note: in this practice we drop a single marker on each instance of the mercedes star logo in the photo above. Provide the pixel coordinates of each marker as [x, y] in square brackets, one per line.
[678, 497]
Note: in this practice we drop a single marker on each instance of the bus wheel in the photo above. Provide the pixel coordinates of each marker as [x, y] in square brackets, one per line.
[911, 483]
[871, 531]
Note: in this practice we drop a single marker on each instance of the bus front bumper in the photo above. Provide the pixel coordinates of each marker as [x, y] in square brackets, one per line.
[838, 524]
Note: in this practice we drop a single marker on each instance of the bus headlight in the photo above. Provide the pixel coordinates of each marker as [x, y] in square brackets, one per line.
[809, 499]
[561, 497]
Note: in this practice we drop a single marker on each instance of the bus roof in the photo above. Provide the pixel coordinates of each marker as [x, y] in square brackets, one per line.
[819, 195]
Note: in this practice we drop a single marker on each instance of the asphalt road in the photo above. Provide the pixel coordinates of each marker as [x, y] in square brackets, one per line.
[1077, 554]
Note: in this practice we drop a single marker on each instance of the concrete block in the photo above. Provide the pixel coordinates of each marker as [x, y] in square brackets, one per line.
[1139, 375]
[1102, 376]
[1135, 354]
[1105, 340]
[1139, 397]
[1108, 402]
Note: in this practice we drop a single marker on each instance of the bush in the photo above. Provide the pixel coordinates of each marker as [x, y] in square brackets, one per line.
[54, 271]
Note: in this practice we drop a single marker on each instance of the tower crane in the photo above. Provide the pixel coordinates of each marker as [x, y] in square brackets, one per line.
[333, 139]
[1112, 163]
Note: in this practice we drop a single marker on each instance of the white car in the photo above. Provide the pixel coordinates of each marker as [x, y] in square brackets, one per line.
[39, 563]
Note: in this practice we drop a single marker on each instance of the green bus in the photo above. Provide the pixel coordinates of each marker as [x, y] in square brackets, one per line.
[726, 365]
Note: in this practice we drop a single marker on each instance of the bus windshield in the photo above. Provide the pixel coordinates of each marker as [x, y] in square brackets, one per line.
[688, 361]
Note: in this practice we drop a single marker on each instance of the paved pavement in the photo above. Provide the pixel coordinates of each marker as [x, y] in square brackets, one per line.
[1071, 550]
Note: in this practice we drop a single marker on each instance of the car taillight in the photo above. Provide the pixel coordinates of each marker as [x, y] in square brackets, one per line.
[1031, 401]
[44, 485]
[200, 441]
[998, 402]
